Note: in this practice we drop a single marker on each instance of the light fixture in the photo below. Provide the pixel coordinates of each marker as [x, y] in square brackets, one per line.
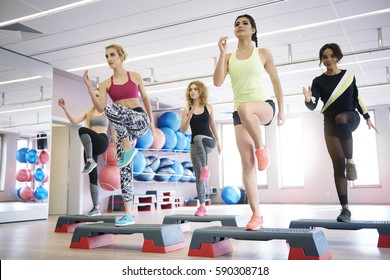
[48, 12]
[20, 80]
[25, 109]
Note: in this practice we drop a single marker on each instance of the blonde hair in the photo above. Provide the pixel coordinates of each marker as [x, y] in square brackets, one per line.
[203, 93]
[89, 116]
[120, 50]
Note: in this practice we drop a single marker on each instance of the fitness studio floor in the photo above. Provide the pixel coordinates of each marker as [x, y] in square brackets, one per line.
[36, 240]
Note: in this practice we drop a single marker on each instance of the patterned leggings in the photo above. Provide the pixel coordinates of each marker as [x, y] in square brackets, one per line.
[131, 123]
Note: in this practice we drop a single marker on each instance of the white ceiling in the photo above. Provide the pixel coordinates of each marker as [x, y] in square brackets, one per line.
[180, 37]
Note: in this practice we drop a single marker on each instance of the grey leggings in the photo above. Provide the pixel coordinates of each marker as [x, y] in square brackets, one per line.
[131, 123]
[202, 145]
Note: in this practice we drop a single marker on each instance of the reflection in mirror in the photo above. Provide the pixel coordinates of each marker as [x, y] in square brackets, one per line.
[25, 117]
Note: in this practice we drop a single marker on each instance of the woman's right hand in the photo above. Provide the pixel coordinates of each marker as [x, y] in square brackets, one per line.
[307, 93]
[222, 44]
[61, 102]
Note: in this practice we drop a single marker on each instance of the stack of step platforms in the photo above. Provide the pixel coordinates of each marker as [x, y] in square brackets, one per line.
[165, 199]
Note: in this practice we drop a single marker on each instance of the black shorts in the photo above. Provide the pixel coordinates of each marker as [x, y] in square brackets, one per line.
[236, 117]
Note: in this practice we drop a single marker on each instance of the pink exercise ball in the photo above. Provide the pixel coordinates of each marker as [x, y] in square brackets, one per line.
[109, 178]
[26, 193]
[110, 155]
[44, 157]
[23, 175]
[159, 139]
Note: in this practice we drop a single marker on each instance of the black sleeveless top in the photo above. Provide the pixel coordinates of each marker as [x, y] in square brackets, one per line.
[200, 124]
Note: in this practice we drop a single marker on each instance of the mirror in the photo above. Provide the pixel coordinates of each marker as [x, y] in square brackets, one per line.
[26, 87]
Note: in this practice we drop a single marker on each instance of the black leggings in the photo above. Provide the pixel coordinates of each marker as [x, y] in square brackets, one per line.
[99, 146]
[339, 142]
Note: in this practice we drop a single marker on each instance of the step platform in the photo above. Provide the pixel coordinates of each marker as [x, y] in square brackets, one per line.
[183, 220]
[158, 238]
[69, 223]
[383, 227]
[305, 244]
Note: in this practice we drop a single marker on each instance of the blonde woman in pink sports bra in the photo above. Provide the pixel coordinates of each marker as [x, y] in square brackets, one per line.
[128, 118]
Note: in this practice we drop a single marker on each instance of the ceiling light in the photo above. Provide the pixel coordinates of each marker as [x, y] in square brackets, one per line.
[20, 80]
[48, 12]
[25, 109]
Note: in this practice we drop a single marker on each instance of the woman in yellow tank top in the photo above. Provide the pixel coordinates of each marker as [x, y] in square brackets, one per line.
[253, 107]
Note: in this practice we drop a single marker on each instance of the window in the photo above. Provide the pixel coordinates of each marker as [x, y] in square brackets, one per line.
[232, 168]
[291, 151]
[365, 154]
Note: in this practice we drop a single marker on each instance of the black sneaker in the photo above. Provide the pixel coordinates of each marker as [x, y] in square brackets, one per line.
[345, 215]
[350, 171]
[89, 166]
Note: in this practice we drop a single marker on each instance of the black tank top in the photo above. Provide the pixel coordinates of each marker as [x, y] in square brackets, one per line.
[200, 124]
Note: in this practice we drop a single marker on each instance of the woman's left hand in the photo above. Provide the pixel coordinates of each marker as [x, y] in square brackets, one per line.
[281, 118]
[370, 124]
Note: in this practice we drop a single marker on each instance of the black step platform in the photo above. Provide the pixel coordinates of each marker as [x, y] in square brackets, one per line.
[68, 223]
[383, 227]
[305, 244]
[183, 220]
[157, 238]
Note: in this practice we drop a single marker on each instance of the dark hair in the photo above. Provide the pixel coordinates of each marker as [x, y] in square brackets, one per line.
[253, 24]
[334, 47]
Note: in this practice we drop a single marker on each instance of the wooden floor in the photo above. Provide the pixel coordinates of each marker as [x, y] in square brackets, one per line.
[36, 240]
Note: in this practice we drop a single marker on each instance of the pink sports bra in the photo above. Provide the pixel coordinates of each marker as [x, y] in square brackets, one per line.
[127, 90]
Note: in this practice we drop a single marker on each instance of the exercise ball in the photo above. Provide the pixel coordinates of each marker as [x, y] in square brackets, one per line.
[164, 173]
[158, 139]
[187, 174]
[154, 162]
[32, 156]
[46, 178]
[181, 141]
[109, 155]
[139, 162]
[170, 138]
[170, 120]
[23, 175]
[109, 178]
[187, 164]
[30, 174]
[44, 157]
[41, 193]
[26, 193]
[146, 175]
[178, 169]
[230, 194]
[145, 141]
[165, 162]
[21, 155]
[39, 174]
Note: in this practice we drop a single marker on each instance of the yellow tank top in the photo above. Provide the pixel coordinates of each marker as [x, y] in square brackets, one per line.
[247, 78]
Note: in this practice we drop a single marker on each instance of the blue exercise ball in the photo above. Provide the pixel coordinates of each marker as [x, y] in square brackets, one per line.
[187, 175]
[41, 193]
[146, 175]
[170, 120]
[231, 194]
[145, 141]
[154, 162]
[39, 174]
[21, 155]
[181, 141]
[165, 162]
[139, 163]
[178, 168]
[170, 138]
[164, 173]
[32, 156]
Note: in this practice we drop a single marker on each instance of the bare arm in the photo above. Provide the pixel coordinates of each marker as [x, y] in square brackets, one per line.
[145, 99]
[221, 69]
[269, 66]
[98, 96]
[71, 118]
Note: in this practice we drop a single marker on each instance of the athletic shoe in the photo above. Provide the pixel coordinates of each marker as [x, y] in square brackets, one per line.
[94, 212]
[345, 215]
[89, 166]
[201, 211]
[255, 222]
[204, 174]
[350, 171]
[126, 157]
[263, 160]
[125, 220]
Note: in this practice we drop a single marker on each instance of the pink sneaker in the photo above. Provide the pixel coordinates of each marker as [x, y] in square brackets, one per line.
[204, 174]
[263, 160]
[254, 223]
[201, 211]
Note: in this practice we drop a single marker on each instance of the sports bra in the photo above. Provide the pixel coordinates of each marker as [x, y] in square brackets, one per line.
[127, 90]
